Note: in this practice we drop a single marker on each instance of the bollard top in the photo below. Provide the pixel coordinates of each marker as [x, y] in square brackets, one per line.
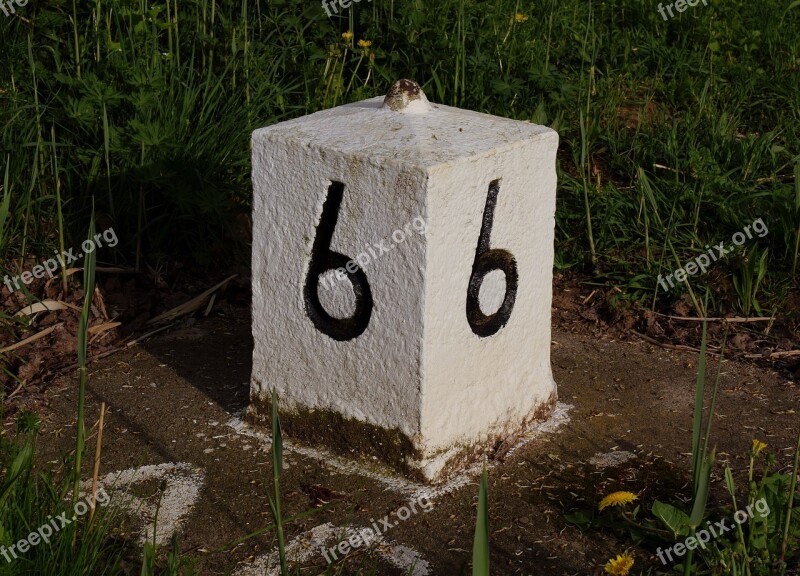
[402, 127]
[406, 96]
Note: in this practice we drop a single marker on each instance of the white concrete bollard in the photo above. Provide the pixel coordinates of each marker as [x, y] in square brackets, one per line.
[402, 272]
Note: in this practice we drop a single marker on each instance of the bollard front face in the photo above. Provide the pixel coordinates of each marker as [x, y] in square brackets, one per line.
[402, 270]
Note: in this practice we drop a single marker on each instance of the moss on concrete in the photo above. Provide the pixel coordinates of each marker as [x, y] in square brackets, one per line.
[390, 447]
[346, 436]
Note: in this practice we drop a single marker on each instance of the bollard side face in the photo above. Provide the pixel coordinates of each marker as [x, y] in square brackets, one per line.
[417, 354]
[483, 386]
[374, 377]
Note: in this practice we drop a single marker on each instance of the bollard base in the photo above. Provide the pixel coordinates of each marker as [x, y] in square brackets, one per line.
[393, 449]
[339, 434]
[442, 465]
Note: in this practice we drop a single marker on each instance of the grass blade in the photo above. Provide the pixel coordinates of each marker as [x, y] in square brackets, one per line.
[697, 419]
[480, 546]
[277, 470]
[83, 330]
[792, 490]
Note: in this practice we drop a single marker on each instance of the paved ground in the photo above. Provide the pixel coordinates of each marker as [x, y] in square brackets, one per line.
[622, 423]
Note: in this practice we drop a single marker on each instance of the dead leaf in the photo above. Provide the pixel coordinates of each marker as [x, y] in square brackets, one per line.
[46, 306]
[192, 305]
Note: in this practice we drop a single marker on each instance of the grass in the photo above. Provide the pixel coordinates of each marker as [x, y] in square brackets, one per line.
[480, 546]
[277, 470]
[675, 134]
[30, 499]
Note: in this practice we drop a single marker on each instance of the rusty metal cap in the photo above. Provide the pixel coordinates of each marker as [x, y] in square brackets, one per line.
[406, 96]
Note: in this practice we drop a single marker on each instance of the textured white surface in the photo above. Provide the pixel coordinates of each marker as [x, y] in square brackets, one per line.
[417, 367]
[309, 545]
[602, 460]
[183, 483]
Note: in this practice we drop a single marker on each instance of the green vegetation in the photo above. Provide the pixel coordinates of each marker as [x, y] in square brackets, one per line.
[480, 545]
[675, 134]
[29, 498]
[277, 470]
[32, 500]
[763, 543]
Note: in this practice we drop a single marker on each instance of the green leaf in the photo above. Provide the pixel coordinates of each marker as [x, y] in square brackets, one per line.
[480, 546]
[673, 518]
[5, 205]
[579, 518]
[148, 559]
[730, 484]
[697, 419]
[21, 465]
[277, 438]
[88, 286]
[701, 496]
[5, 537]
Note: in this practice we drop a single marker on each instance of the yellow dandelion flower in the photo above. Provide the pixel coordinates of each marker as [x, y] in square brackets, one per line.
[347, 36]
[758, 446]
[617, 499]
[364, 43]
[619, 566]
[520, 17]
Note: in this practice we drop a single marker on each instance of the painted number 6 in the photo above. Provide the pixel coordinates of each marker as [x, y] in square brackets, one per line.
[324, 259]
[486, 260]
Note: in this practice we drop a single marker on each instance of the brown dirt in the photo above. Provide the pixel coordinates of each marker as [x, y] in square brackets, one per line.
[170, 398]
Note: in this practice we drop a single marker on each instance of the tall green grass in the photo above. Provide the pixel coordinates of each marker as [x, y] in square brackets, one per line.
[679, 132]
[277, 470]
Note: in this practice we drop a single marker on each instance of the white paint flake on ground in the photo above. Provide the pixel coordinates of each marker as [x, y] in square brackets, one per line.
[311, 543]
[615, 458]
[405, 558]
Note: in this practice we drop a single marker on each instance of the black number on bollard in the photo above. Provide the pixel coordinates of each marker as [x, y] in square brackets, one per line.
[324, 259]
[486, 260]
